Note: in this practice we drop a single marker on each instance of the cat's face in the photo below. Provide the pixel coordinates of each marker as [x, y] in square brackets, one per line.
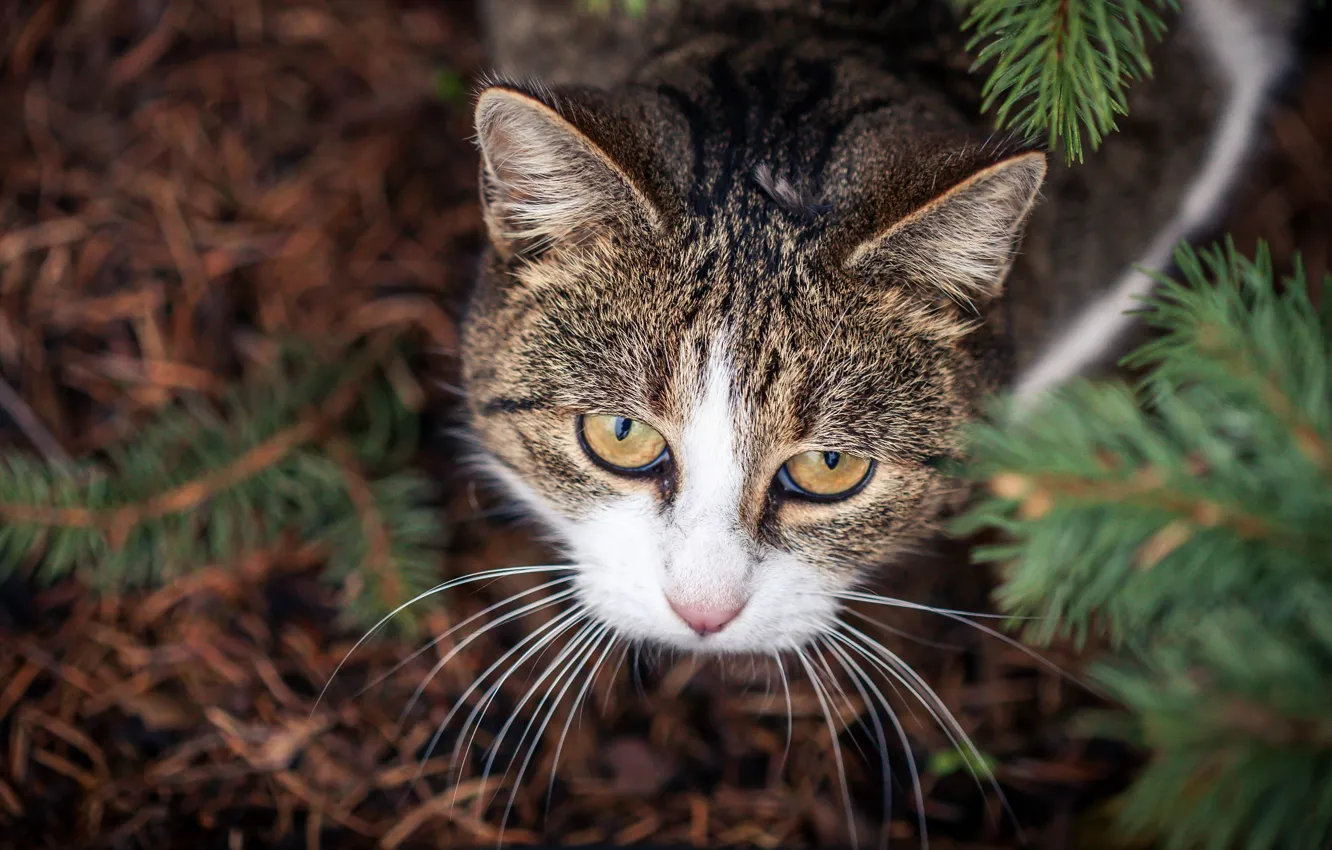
[728, 413]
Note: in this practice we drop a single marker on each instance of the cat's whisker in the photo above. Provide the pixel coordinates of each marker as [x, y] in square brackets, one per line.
[964, 617]
[463, 743]
[836, 746]
[529, 608]
[895, 666]
[439, 588]
[905, 635]
[816, 651]
[893, 602]
[573, 712]
[615, 674]
[767, 684]
[541, 635]
[557, 625]
[380, 679]
[571, 672]
[861, 682]
[891, 663]
[790, 714]
[562, 666]
[638, 675]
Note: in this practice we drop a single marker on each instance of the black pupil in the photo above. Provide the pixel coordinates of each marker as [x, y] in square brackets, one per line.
[622, 427]
[831, 459]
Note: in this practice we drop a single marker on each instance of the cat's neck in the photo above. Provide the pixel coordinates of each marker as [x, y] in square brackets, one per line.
[559, 45]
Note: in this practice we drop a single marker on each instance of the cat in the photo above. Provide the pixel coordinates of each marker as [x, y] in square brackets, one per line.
[751, 263]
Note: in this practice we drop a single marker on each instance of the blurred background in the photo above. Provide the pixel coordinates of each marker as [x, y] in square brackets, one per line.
[186, 186]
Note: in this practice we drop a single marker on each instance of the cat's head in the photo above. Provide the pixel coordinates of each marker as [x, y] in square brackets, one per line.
[721, 369]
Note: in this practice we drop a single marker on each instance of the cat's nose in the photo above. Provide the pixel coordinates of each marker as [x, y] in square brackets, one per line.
[703, 619]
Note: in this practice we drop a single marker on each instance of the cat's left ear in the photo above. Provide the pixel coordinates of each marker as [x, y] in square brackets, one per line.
[960, 245]
[556, 168]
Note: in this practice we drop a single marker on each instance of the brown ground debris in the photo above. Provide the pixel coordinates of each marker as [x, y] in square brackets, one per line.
[184, 181]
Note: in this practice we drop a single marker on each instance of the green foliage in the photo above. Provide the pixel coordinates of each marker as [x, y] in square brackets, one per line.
[946, 762]
[449, 86]
[1061, 68]
[1189, 520]
[295, 448]
[629, 7]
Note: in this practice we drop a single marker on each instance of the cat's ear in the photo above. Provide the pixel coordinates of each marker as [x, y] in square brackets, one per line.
[960, 245]
[546, 179]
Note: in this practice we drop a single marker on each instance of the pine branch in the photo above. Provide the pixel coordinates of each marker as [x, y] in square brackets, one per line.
[1189, 519]
[1061, 68]
[299, 447]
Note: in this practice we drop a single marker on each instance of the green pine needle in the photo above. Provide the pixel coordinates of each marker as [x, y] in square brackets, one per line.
[1189, 520]
[633, 8]
[1061, 68]
[205, 483]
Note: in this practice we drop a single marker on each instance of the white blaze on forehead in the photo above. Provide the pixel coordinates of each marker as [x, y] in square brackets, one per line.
[709, 558]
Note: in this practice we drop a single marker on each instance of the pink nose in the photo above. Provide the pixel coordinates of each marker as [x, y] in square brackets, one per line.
[703, 619]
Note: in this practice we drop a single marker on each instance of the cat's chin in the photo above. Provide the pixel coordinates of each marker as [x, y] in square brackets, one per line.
[723, 644]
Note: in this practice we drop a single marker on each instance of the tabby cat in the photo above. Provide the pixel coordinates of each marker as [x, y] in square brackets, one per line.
[752, 262]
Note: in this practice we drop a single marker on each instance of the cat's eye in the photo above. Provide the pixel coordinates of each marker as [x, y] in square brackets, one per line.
[825, 476]
[622, 444]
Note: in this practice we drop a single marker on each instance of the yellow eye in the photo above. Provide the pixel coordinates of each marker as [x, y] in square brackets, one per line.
[621, 443]
[826, 476]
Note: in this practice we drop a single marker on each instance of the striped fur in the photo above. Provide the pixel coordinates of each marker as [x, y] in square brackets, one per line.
[765, 228]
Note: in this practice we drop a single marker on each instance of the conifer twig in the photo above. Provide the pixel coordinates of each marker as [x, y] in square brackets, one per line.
[294, 448]
[116, 522]
[1189, 520]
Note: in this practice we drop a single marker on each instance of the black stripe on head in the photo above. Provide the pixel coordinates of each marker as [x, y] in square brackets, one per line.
[514, 405]
[696, 120]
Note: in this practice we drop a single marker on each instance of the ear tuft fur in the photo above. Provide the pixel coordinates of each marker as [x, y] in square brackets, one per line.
[960, 245]
[544, 180]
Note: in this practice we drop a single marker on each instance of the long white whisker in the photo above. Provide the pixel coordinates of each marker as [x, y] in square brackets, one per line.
[875, 599]
[912, 766]
[962, 617]
[816, 651]
[790, 714]
[836, 747]
[615, 674]
[439, 588]
[863, 681]
[463, 744]
[570, 658]
[529, 608]
[541, 635]
[573, 712]
[638, 678]
[380, 679]
[571, 676]
[905, 635]
[879, 736]
[895, 666]
[559, 623]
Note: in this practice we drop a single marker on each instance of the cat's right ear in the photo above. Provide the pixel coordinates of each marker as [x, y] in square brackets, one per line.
[545, 178]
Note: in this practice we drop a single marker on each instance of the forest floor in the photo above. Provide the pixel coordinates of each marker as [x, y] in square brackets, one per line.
[183, 182]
